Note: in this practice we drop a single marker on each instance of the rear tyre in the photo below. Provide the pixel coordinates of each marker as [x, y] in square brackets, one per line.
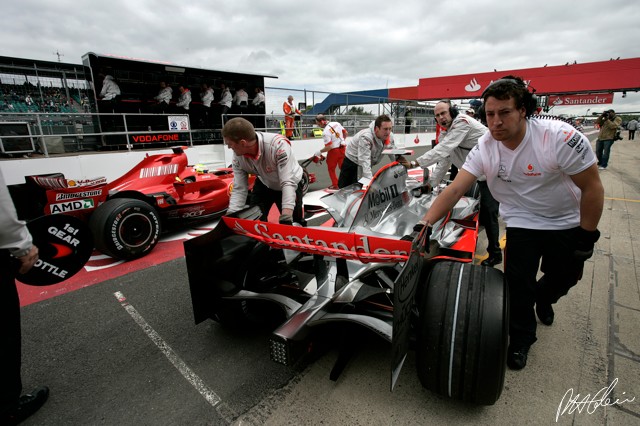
[462, 332]
[125, 228]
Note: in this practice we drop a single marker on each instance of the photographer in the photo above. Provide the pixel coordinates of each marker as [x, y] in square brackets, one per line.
[609, 124]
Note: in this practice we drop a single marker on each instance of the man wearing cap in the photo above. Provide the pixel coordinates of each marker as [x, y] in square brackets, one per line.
[335, 142]
[609, 124]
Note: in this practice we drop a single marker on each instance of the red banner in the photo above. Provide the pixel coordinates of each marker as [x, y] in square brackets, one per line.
[604, 76]
[573, 100]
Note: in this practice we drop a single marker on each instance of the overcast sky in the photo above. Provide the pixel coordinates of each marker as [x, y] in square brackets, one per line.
[328, 45]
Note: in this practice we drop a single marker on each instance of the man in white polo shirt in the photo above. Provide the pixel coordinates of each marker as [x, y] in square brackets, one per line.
[334, 137]
[544, 174]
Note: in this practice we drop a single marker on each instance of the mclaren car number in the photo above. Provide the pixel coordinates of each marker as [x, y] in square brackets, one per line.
[72, 206]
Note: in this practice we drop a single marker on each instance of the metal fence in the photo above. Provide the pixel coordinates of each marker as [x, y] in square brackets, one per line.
[25, 134]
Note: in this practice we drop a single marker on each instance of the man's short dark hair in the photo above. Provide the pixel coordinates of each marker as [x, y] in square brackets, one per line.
[509, 87]
[320, 117]
[382, 119]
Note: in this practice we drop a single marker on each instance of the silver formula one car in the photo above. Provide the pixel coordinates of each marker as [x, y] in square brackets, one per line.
[424, 294]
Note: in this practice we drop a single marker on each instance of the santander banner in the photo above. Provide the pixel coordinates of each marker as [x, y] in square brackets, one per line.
[573, 100]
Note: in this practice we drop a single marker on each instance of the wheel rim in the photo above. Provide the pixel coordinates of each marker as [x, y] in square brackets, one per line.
[135, 230]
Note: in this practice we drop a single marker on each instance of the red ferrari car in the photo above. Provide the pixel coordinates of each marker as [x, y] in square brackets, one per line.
[127, 215]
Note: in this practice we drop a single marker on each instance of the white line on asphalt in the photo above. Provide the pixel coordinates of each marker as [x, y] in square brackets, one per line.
[211, 397]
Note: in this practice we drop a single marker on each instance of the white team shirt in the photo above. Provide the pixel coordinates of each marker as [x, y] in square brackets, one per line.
[532, 182]
[332, 135]
[275, 166]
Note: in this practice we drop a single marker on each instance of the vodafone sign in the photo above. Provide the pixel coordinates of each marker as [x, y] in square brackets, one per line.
[572, 100]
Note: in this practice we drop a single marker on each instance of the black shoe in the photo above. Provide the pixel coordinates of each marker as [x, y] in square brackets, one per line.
[26, 406]
[545, 313]
[492, 260]
[517, 358]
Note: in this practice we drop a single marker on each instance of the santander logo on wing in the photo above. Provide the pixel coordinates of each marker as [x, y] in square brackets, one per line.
[473, 86]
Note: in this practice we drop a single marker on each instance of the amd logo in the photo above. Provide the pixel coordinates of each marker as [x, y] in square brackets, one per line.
[72, 206]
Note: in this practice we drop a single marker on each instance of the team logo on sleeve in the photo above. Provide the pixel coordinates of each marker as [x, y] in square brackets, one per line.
[574, 140]
[281, 156]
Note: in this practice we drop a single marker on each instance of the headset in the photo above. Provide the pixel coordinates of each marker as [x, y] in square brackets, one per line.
[453, 110]
[529, 99]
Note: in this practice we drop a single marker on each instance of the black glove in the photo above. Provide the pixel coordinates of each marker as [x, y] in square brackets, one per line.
[286, 219]
[585, 240]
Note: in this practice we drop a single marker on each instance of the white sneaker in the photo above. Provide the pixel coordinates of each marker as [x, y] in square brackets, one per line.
[602, 168]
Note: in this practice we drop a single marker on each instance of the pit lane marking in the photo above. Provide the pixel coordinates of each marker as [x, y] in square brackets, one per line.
[503, 243]
[209, 395]
[621, 199]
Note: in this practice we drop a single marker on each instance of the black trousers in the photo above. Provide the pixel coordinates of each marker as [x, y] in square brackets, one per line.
[348, 173]
[265, 198]
[10, 337]
[489, 209]
[526, 250]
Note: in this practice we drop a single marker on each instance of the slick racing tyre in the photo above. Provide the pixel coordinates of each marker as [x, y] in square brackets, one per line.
[125, 228]
[305, 181]
[461, 342]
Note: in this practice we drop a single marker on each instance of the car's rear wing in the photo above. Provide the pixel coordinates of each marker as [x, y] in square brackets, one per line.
[323, 241]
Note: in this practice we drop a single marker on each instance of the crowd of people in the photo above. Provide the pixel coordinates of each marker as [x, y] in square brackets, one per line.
[28, 98]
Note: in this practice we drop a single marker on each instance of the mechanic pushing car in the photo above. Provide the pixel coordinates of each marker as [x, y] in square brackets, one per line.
[365, 150]
[268, 156]
[544, 174]
[459, 136]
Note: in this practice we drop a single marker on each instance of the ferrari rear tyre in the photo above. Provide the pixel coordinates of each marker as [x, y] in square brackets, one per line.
[125, 228]
[462, 331]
